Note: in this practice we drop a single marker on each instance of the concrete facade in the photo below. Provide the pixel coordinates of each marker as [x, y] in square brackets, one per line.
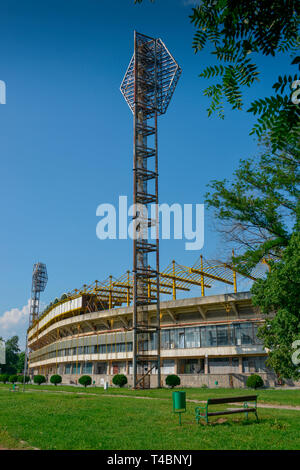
[209, 340]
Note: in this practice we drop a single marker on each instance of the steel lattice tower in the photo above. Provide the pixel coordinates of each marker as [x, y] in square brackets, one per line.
[39, 282]
[147, 87]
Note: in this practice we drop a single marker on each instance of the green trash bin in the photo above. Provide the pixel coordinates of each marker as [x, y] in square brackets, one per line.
[179, 403]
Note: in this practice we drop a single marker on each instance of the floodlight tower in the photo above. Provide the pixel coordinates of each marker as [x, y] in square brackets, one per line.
[39, 282]
[147, 87]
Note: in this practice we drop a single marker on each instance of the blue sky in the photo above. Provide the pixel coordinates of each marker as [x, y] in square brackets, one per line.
[66, 139]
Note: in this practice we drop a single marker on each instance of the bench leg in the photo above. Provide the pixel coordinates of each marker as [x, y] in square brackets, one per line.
[256, 416]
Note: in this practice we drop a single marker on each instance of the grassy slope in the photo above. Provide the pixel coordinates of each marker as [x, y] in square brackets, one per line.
[52, 421]
[276, 397]
[8, 442]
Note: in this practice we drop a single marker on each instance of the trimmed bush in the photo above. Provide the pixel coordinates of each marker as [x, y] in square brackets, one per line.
[21, 378]
[255, 381]
[172, 380]
[39, 379]
[13, 378]
[120, 380]
[4, 378]
[55, 379]
[85, 380]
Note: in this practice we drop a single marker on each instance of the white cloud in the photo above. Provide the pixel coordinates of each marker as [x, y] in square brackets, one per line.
[15, 317]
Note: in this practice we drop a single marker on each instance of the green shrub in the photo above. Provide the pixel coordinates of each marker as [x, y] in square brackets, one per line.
[21, 378]
[120, 380]
[204, 386]
[55, 379]
[4, 378]
[39, 379]
[85, 380]
[172, 380]
[255, 381]
[13, 378]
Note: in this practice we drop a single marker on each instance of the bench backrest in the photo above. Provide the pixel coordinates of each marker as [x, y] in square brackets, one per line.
[215, 401]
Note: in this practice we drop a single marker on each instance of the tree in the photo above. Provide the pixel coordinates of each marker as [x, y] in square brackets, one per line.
[13, 378]
[55, 379]
[120, 380]
[260, 209]
[23, 379]
[172, 380]
[255, 381]
[4, 378]
[21, 362]
[85, 380]
[12, 356]
[39, 379]
[236, 31]
[279, 293]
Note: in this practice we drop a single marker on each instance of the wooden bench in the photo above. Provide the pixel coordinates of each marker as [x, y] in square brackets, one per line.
[202, 411]
[14, 389]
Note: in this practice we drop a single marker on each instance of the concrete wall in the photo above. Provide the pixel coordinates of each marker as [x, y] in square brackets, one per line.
[191, 380]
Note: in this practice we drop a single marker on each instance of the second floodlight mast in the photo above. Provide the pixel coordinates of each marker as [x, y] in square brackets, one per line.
[147, 87]
[39, 282]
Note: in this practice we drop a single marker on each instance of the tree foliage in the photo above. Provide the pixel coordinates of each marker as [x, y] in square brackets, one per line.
[236, 30]
[85, 380]
[254, 381]
[260, 208]
[39, 379]
[4, 378]
[12, 353]
[120, 380]
[55, 379]
[172, 380]
[21, 362]
[280, 293]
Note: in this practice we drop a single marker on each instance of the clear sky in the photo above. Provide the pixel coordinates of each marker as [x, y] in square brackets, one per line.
[66, 139]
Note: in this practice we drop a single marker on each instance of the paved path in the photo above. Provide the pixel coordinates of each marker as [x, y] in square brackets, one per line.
[259, 405]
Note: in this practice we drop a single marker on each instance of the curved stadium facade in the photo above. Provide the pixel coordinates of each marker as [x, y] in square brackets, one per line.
[208, 340]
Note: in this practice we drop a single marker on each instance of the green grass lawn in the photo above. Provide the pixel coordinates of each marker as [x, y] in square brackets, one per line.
[276, 396]
[73, 421]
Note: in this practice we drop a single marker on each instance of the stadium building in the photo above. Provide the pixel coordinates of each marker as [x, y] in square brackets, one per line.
[211, 339]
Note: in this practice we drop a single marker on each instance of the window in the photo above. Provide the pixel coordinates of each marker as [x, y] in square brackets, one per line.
[75, 369]
[235, 364]
[172, 339]
[222, 335]
[254, 364]
[168, 367]
[208, 336]
[87, 368]
[191, 366]
[68, 369]
[152, 341]
[219, 365]
[256, 339]
[101, 368]
[179, 338]
[192, 338]
[165, 339]
[246, 332]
